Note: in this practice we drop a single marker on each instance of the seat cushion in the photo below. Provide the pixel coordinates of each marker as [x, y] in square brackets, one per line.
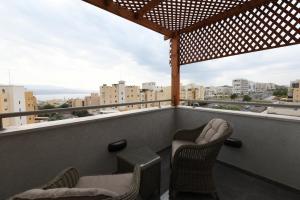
[178, 143]
[215, 129]
[65, 193]
[119, 183]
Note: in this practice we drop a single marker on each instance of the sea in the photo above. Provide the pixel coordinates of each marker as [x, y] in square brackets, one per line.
[47, 97]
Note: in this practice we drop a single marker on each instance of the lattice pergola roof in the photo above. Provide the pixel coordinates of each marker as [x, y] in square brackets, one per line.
[210, 29]
[202, 30]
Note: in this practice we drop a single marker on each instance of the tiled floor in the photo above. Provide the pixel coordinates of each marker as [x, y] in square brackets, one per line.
[232, 184]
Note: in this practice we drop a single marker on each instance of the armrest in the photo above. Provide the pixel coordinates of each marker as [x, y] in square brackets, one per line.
[188, 134]
[133, 193]
[68, 178]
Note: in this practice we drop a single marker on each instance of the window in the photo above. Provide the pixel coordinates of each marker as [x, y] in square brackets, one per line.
[5, 100]
[19, 102]
[3, 91]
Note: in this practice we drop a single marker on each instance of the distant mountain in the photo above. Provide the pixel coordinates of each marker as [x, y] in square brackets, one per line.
[48, 89]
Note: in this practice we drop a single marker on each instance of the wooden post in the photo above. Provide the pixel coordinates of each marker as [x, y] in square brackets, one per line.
[175, 68]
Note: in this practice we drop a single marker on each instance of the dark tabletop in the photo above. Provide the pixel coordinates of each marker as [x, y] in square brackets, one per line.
[140, 156]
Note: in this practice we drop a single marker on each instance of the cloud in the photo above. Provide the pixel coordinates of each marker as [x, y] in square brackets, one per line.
[73, 44]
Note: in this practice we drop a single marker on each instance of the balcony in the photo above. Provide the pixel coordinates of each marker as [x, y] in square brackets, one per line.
[266, 167]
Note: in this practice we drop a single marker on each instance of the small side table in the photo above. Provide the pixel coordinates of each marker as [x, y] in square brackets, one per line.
[150, 169]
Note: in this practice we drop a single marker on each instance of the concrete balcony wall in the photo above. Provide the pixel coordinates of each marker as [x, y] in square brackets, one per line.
[271, 144]
[33, 154]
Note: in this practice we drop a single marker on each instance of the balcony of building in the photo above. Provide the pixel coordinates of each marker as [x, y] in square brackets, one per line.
[265, 167]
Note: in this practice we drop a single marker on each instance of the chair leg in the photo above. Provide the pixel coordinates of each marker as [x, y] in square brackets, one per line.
[215, 195]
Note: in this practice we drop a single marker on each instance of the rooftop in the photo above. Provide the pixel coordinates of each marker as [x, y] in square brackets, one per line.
[232, 184]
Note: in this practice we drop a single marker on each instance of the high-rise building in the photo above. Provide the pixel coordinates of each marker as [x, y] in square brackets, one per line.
[240, 86]
[13, 100]
[30, 105]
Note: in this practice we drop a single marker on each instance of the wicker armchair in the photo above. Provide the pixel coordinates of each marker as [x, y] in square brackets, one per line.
[194, 153]
[68, 185]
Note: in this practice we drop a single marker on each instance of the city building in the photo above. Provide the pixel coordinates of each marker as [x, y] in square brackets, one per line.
[164, 93]
[263, 87]
[30, 105]
[118, 94]
[244, 86]
[147, 95]
[13, 100]
[149, 86]
[192, 92]
[295, 85]
[92, 100]
[218, 92]
[240, 86]
[132, 94]
[77, 102]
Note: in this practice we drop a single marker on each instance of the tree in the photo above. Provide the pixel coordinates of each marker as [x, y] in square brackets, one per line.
[280, 92]
[47, 107]
[247, 98]
[64, 105]
[233, 96]
[81, 113]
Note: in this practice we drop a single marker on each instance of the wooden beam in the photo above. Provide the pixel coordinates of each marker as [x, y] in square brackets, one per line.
[114, 8]
[148, 7]
[227, 14]
[175, 69]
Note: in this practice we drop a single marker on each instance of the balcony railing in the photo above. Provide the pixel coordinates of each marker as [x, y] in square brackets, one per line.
[68, 110]
[242, 103]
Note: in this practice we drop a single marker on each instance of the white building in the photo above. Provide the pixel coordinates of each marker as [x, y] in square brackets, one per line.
[13, 101]
[149, 86]
[240, 86]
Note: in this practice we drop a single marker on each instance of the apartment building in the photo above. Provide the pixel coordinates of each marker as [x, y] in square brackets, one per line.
[30, 105]
[77, 102]
[92, 100]
[149, 86]
[132, 94]
[192, 92]
[295, 85]
[147, 95]
[240, 86]
[118, 94]
[263, 87]
[162, 94]
[219, 91]
[13, 100]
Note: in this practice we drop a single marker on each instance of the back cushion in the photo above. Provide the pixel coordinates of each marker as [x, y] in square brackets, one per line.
[212, 131]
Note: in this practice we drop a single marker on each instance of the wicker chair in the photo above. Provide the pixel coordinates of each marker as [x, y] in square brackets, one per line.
[68, 185]
[194, 155]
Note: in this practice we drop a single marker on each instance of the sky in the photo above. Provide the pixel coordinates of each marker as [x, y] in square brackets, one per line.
[72, 44]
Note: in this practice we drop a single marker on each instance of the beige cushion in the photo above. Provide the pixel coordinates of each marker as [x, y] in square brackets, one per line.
[212, 131]
[178, 143]
[119, 183]
[62, 193]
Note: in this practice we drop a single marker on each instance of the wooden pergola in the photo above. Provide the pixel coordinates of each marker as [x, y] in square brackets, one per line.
[201, 30]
